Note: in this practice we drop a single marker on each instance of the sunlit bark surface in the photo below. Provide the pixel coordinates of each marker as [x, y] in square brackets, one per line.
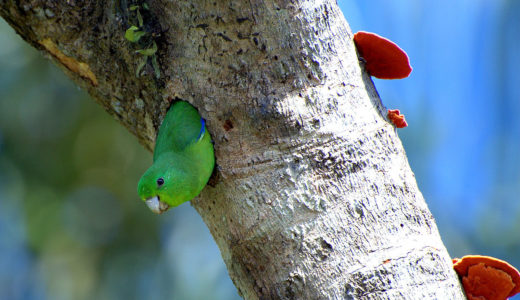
[313, 197]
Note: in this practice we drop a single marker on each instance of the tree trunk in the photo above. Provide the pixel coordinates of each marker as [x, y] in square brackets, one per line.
[313, 197]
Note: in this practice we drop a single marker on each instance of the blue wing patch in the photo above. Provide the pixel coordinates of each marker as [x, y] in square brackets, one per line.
[202, 129]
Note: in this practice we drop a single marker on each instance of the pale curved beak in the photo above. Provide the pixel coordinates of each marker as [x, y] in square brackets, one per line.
[155, 205]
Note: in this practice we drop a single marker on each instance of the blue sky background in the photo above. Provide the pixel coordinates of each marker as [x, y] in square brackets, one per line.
[64, 161]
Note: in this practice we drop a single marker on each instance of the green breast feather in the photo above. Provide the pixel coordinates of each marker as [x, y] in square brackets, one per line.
[183, 160]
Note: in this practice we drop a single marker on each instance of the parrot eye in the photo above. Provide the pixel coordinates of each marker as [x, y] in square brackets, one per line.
[160, 181]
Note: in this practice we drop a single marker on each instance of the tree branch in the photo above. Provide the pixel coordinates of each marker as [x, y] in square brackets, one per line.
[313, 196]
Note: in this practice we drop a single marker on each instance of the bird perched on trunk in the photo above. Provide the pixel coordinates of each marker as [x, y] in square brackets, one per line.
[183, 160]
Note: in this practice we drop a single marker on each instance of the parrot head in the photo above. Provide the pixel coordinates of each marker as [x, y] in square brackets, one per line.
[163, 186]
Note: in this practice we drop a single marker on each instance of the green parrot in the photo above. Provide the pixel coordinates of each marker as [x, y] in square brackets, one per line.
[183, 160]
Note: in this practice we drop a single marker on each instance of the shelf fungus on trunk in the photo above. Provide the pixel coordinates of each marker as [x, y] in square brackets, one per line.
[487, 278]
[383, 58]
[397, 118]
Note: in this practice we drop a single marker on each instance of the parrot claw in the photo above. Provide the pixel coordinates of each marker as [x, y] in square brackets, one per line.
[156, 205]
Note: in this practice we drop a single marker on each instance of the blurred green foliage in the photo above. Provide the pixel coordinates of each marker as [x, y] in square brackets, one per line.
[71, 223]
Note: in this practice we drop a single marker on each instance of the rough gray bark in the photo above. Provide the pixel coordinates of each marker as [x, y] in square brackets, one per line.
[313, 197]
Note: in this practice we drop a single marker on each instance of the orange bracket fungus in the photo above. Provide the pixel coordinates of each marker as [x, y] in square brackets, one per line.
[397, 119]
[487, 278]
[384, 59]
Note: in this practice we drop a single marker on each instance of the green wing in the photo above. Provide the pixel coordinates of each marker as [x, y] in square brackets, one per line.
[181, 127]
